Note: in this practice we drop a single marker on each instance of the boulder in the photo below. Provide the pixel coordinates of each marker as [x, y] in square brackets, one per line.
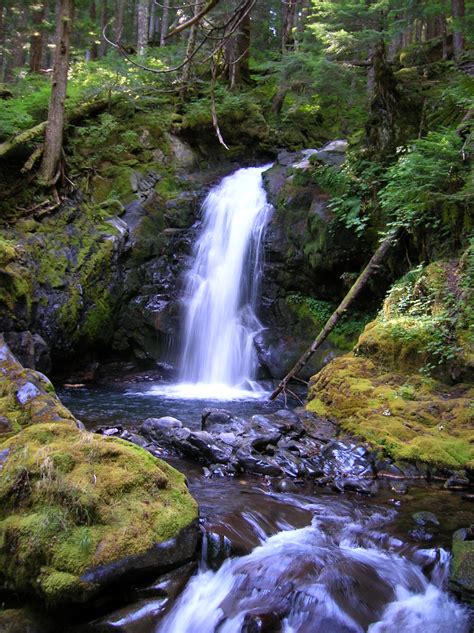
[461, 579]
[79, 512]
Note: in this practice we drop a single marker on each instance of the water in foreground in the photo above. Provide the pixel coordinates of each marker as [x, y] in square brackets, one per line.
[342, 573]
[305, 561]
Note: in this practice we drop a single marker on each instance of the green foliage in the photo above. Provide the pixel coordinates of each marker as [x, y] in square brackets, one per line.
[352, 189]
[429, 176]
[345, 333]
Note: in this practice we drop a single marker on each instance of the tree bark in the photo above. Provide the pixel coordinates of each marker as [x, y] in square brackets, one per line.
[54, 129]
[142, 27]
[189, 51]
[457, 10]
[103, 22]
[288, 9]
[37, 38]
[79, 113]
[359, 284]
[164, 22]
[2, 40]
[237, 55]
[93, 50]
[119, 19]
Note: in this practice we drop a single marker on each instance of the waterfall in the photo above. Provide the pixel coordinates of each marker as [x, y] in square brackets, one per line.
[218, 358]
[222, 285]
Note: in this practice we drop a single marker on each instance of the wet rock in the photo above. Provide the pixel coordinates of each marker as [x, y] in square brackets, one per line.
[461, 579]
[351, 484]
[286, 485]
[165, 423]
[134, 618]
[214, 417]
[217, 548]
[252, 464]
[399, 487]
[458, 481]
[425, 518]
[169, 585]
[261, 623]
[420, 534]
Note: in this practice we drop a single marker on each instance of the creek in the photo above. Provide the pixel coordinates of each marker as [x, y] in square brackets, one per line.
[277, 554]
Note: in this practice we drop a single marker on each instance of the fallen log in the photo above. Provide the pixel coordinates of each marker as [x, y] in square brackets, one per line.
[355, 289]
[85, 109]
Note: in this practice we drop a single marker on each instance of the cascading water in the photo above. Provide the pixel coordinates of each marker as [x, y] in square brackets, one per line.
[222, 285]
[221, 292]
[341, 574]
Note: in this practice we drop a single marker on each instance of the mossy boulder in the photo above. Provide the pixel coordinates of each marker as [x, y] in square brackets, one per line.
[411, 417]
[406, 387]
[462, 567]
[80, 511]
[26, 397]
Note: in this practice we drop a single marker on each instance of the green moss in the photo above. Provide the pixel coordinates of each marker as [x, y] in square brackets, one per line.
[78, 502]
[432, 424]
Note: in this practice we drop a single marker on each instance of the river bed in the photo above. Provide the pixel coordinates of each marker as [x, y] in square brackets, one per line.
[293, 557]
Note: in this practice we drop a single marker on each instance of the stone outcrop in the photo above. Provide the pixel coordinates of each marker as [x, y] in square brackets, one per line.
[79, 512]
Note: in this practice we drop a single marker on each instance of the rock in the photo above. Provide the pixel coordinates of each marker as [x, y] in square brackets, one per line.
[458, 481]
[420, 534]
[399, 487]
[183, 155]
[102, 510]
[425, 518]
[461, 579]
[213, 417]
[5, 425]
[162, 424]
[27, 392]
[352, 484]
[27, 396]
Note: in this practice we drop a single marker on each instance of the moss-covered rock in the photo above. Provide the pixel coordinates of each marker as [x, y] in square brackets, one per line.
[26, 397]
[79, 511]
[401, 389]
[462, 568]
[74, 504]
[410, 416]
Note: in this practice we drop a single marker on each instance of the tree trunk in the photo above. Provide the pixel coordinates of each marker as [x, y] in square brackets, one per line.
[237, 55]
[2, 40]
[359, 284]
[54, 130]
[288, 8]
[79, 113]
[93, 50]
[18, 44]
[142, 27]
[119, 20]
[103, 23]
[37, 38]
[457, 9]
[189, 51]
[302, 19]
[164, 22]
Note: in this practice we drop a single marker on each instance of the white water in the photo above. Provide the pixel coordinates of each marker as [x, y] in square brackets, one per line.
[339, 574]
[219, 361]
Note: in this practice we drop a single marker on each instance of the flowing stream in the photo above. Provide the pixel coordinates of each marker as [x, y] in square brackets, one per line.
[221, 293]
[341, 573]
[273, 561]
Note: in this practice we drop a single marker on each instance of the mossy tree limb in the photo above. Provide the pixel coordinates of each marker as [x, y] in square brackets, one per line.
[354, 291]
[79, 113]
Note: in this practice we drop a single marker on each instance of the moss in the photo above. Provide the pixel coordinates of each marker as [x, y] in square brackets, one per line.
[81, 501]
[433, 424]
[42, 406]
